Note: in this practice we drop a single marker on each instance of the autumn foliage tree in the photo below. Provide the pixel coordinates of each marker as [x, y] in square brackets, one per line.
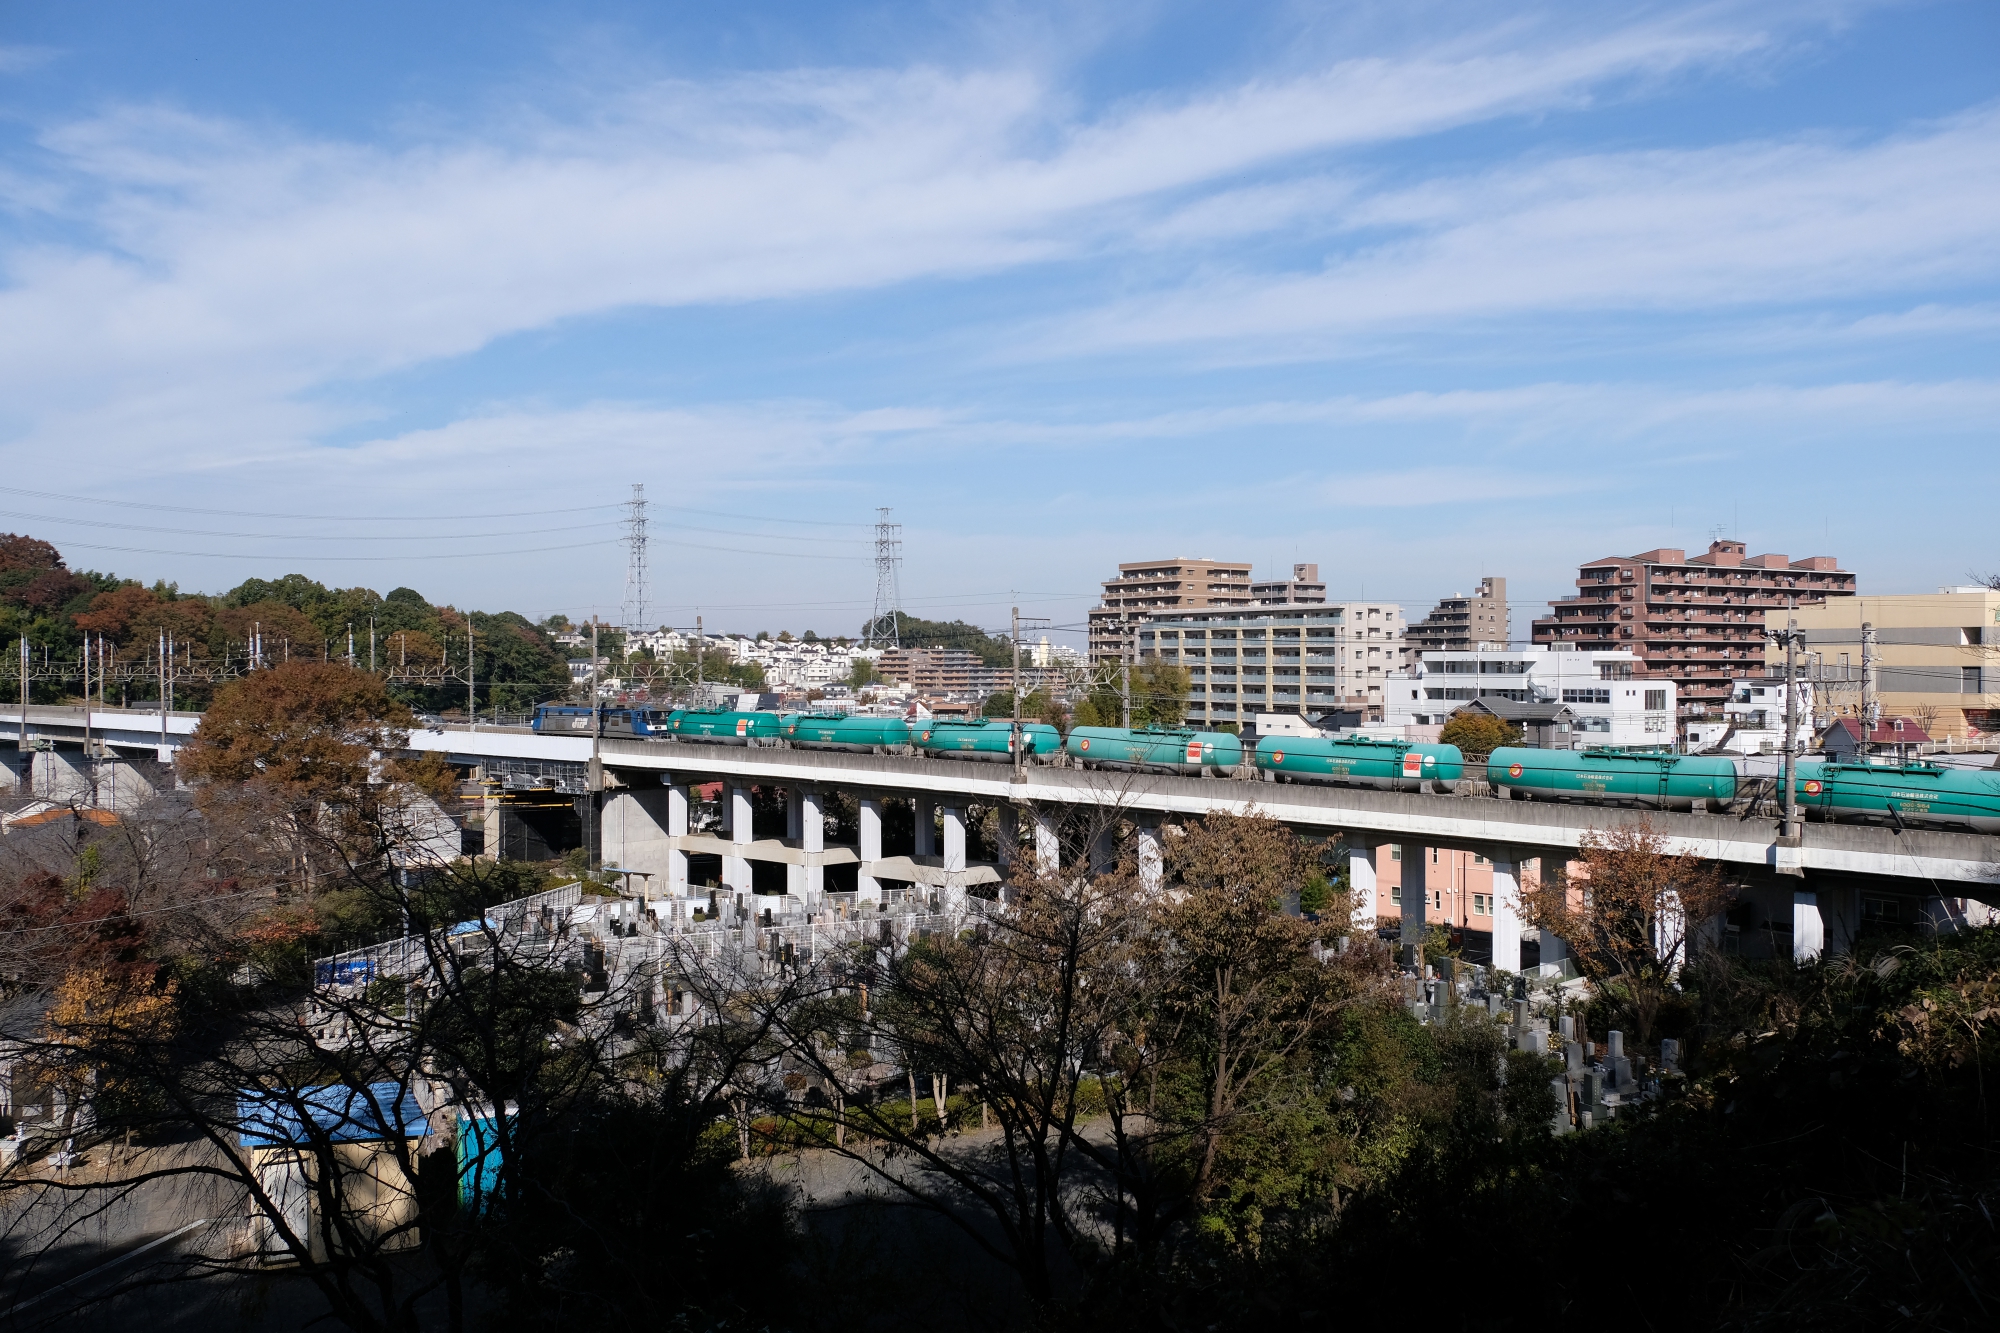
[305, 728]
[1629, 913]
[1478, 733]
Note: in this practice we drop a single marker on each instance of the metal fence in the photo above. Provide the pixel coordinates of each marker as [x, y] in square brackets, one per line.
[409, 956]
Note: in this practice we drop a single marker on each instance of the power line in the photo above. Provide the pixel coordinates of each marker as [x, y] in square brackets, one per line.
[258, 513]
[442, 555]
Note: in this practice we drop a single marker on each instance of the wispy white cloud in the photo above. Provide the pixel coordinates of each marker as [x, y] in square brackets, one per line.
[1808, 220]
[201, 243]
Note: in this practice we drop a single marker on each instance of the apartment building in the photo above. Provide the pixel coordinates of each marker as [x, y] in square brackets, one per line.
[1609, 697]
[1936, 657]
[1150, 588]
[1696, 621]
[1303, 588]
[939, 671]
[1308, 660]
[1458, 624]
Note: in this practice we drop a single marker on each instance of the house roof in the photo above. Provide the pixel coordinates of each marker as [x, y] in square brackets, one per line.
[1888, 731]
[50, 812]
[1512, 711]
[339, 1114]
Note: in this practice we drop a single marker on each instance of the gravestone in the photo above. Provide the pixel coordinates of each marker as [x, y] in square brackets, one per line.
[1616, 1041]
[1670, 1053]
[1573, 1057]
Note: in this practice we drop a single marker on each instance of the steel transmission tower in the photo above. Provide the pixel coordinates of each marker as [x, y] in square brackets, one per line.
[882, 626]
[634, 609]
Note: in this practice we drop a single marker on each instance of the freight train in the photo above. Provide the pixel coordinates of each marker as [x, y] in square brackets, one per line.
[1900, 794]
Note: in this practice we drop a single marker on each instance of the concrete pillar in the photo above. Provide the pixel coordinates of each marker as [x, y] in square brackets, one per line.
[1416, 866]
[1840, 911]
[64, 776]
[954, 854]
[1506, 912]
[495, 828]
[1009, 819]
[812, 841]
[677, 827]
[1808, 928]
[1361, 883]
[636, 825]
[1103, 850]
[1048, 839]
[924, 810]
[1152, 859]
[736, 867]
[1550, 866]
[794, 802]
[869, 849]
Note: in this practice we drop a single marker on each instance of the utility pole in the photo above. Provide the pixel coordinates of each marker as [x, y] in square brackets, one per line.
[371, 645]
[350, 645]
[1125, 669]
[163, 695]
[471, 671]
[700, 652]
[1869, 702]
[1789, 636]
[1014, 738]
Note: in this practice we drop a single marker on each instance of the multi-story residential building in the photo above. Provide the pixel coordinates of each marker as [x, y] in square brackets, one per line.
[1696, 621]
[1152, 588]
[1936, 657]
[1303, 588]
[1459, 624]
[1752, 720]
[1612, 700]
[1310, 660]
[939, 671]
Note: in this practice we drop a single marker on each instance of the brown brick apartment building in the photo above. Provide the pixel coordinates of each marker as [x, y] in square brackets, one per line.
[1149, 588]
[1697, 621]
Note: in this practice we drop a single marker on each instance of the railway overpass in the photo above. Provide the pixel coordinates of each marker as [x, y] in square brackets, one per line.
[646, 798]
[639, 798]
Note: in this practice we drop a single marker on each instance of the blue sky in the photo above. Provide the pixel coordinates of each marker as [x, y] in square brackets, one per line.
[412, 294]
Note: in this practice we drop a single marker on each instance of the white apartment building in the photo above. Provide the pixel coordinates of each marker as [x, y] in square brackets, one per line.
[1612, 701]
[1306, 659]
[1753, 719]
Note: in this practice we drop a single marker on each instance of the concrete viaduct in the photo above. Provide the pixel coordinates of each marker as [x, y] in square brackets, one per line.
[642, 795]
[646, 798]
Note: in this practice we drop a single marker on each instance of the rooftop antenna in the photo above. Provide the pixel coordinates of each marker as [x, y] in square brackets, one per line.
[634, 610]
[883, 628]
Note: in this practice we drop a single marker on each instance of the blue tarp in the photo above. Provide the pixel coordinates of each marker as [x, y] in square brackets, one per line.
[479, 1160]
[348, 972]
[340, 1113]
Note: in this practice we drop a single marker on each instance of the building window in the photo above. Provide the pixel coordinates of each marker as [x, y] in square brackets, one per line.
[1437, 899]
[1656, 700]
[1395, 854]
[1968, 680]
[1434, 856]
[1396, 896]
[1482, 904]
[1879, 909]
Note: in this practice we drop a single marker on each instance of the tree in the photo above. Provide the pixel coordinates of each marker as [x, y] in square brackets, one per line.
[862, 674]
[1478, 734]
[307, 728]
[1629, 915]
[1244, 988]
